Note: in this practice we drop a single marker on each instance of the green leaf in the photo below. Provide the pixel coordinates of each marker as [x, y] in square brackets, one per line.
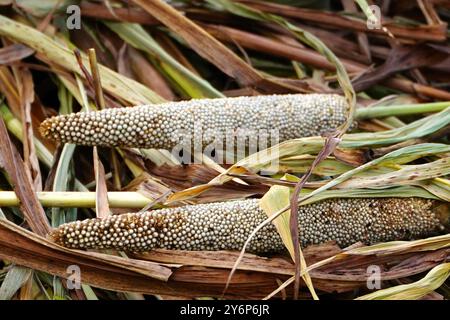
[61, 180]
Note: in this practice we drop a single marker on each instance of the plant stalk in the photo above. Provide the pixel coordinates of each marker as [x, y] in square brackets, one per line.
[73, 199]
[400, 110]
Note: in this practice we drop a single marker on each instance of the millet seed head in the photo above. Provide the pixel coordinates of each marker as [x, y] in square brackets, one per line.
[168, 124]
[227, 225]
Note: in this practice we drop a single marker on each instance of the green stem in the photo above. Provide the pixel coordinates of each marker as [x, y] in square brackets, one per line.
[400, 110]
[15, 127]
[73, 199]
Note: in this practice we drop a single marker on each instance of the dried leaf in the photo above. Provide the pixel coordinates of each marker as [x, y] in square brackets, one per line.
[101, 191]
[14, 166]
[16, 277]
[26, 93]
[14, 52]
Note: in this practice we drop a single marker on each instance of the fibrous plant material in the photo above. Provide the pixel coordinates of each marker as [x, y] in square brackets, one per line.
[201, 121]
[227, 225]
